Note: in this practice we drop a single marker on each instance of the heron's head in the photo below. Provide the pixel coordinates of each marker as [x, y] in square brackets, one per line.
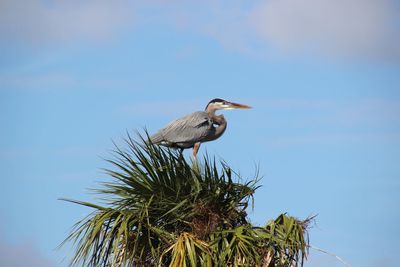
[218, 103]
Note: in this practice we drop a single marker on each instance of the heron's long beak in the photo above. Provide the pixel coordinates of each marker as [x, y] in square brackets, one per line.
[237, 106]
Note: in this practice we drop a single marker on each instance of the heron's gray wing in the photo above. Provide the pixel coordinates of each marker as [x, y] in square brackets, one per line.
[189, 129]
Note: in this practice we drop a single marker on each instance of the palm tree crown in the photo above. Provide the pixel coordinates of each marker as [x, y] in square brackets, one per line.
[161, 210]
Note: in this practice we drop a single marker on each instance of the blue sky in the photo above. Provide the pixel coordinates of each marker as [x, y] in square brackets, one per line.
[323, 77]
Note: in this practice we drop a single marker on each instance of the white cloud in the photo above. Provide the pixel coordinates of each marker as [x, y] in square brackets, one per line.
[340, 29]
[40, 21]
[355, 29]
[366, 30]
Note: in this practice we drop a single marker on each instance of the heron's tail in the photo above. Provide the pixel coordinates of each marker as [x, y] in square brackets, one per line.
[155, 139]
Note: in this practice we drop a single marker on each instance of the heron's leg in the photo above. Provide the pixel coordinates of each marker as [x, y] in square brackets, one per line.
[180, 152]
[196, 149]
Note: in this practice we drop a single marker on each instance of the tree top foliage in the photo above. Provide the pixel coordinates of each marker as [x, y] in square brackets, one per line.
[160, 209]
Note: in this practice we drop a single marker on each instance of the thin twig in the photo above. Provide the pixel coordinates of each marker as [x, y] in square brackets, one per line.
[330, 254]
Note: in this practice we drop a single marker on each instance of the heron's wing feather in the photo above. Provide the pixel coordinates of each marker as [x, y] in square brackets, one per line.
[189, 129]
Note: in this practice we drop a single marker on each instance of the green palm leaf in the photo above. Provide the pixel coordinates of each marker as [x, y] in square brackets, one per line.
[161, 210]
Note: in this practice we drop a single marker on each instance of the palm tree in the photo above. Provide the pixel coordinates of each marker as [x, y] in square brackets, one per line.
[161, 210]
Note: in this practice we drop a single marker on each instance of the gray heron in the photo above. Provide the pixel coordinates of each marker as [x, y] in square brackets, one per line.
[196, 128]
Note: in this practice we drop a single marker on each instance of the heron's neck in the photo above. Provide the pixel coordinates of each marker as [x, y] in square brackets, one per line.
[210, 109]
[221, 122]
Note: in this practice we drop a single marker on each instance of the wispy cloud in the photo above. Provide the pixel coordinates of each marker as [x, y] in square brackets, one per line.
[377, 113]
[334, 139]
[366, 30]
[38, 21]
[54, 81]
[367, 113]
[297, 122]
[41, 82]
[362, 30]
[358, 29]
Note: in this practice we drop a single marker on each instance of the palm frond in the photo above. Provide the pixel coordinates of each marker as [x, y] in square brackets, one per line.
[161, 210]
